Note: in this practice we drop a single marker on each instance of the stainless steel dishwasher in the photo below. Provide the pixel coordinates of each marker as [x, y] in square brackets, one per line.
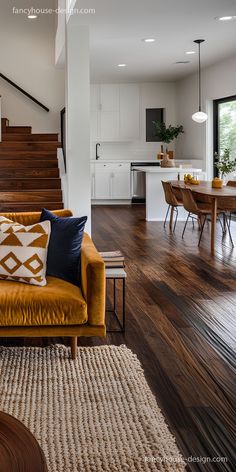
[138, 181]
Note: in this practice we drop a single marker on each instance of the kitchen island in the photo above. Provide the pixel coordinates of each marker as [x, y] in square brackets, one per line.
[155, 199]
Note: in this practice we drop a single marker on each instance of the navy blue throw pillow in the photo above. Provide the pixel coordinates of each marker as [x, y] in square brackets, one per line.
[64, 248]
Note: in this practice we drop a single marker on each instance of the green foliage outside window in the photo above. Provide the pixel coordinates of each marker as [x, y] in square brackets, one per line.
[227, 127]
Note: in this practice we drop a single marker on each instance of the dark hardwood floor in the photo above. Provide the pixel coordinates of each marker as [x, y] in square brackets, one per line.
[181, 323]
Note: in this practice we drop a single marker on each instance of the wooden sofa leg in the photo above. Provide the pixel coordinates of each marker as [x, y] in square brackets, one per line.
[73, 345]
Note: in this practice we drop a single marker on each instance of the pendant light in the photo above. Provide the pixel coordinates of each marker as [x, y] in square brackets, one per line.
[199, 116]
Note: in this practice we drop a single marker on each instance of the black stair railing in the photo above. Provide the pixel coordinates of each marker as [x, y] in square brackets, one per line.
[63, 134]
[24, 92]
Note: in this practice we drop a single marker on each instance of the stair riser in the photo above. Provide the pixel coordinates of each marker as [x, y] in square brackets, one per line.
[29, 174]
[16, 146]
[31, 196]
[8, 207]
[15, 157]
[18, 129]
[6, 137]
[26, 164]
[27, 154]
[11, 185]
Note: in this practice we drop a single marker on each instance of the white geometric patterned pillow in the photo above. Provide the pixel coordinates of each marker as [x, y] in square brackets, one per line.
[23, 251]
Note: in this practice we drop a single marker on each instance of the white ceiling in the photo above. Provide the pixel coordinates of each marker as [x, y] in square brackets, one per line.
[19, 21]
[118, 27]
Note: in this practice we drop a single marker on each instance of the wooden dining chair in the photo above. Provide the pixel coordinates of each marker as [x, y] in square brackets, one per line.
[228, 207]
[172, 202]
[197, 210]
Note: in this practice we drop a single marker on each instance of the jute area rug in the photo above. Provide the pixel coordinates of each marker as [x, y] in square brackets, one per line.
[95, 414]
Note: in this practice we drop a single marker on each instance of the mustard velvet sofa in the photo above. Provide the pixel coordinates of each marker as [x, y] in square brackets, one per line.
[59, 308]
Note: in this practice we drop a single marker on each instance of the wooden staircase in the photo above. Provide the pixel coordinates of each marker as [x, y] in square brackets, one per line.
[29, 174]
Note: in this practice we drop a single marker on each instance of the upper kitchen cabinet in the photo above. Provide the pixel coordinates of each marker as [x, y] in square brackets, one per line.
[115, 112]
[129, 112]
[95, 127]
[109, 106]
[95, 97]
[109, 97]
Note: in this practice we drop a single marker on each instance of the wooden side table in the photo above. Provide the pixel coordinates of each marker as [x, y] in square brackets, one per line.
[19, 450]
[117, 274]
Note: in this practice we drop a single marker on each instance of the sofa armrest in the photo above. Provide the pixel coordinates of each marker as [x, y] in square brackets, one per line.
[93, 281]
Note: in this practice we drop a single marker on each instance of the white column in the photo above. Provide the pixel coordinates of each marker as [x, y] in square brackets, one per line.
[78, 119]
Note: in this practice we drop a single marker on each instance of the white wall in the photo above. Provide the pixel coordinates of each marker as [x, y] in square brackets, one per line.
[60, 35]
[218, 81]
[153, 95]
[27, 57]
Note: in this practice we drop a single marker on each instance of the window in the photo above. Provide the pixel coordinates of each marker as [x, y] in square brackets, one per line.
[224, 126]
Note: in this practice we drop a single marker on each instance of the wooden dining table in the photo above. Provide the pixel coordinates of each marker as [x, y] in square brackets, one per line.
[223, 198]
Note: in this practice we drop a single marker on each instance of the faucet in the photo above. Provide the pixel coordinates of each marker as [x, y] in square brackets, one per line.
[97, 156]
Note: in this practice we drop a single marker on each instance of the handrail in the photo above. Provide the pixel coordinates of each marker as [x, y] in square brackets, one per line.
[63, 134]
[24, 92]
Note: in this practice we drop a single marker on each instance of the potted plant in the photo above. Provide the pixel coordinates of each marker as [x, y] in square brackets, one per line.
[167, 134]
[226, 164]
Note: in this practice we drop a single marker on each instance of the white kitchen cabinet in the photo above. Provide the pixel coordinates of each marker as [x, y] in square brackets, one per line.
[121, 182]
[102, 181]
[95, 97]
[95, 126]
[129, 125]
[109, 97]
[109, 112]
[111, 181]
[92, 179]
[109, 125]
[115, 112]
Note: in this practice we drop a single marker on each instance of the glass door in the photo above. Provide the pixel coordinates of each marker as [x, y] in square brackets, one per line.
[224, 126]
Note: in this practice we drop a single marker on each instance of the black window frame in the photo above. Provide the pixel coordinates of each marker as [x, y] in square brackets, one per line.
[216, 104]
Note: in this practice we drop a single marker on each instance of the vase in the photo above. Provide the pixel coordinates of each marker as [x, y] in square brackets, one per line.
[224, 179]
[166, 162]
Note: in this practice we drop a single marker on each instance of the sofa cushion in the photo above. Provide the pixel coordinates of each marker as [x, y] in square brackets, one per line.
[31, 217]
[65, 246]
[58, 303]
[23, 251]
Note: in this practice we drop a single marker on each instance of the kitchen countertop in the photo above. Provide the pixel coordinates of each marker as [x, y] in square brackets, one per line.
[117, 161]
[126, 161]
[170, 170]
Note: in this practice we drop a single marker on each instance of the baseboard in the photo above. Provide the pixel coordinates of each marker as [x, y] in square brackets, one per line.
[111, 202]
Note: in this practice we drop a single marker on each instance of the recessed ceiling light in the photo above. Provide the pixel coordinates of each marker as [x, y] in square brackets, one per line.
[149, 40]
[225, 18]
[32, 17]
[121, 65]
[190, 52]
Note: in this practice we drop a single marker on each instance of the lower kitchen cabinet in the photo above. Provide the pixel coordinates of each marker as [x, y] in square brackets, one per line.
[121, 185]
[111, 181]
